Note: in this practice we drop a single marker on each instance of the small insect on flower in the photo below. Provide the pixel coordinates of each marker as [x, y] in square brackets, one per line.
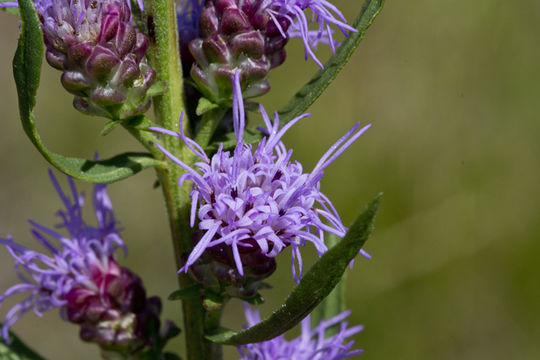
[250, 204]
[312, 344]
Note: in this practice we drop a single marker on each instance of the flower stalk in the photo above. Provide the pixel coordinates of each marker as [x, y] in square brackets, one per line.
[164, 54]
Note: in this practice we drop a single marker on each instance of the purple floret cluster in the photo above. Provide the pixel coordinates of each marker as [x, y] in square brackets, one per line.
[259, 198]
[78, 273]
[312, 344]
[323, 13]
[50, 278]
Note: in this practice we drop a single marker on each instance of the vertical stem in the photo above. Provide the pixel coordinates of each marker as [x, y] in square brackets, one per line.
[212, 321]
[164, 56]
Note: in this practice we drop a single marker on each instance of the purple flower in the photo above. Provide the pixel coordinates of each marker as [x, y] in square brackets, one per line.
[189, 12]
[312, 344]
[78, 273]
[323, 13]
[40, 2]
[254, 203]
[8, 4]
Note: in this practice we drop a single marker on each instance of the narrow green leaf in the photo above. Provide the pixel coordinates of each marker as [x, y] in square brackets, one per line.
[204, 106]
[16, 350]
[109, 127]
[158, 88]
[27, 71]
[316, 284]
[103, 171]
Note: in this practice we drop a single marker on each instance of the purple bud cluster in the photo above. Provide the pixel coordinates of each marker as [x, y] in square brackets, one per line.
[115, 312]
[312, 344]
[250, 36]
[101, 55]
[81, 276]
[228, 41]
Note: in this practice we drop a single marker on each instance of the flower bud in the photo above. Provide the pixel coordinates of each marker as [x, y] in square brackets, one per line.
[228, 41]
[116, 313]
[101, 54]
[249, 36]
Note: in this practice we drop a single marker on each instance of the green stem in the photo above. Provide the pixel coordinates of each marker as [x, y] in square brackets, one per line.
[212, 322]
[164, 56]
[209, 123]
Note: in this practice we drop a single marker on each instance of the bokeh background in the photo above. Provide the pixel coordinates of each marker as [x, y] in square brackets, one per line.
[452, 90]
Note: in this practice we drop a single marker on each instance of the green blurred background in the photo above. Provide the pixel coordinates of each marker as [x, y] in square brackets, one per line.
[452, 90]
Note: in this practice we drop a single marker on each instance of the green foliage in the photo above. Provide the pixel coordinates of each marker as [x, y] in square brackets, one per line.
[204, 106]
[27, 70]
[16, 350]
[209, 122]
[314, 287]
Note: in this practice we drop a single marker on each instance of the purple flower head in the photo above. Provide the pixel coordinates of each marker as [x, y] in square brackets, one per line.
[69, 22]
[314, 37]
[78, 273]
[290, 19]
[312, 344]
[12, 4]
[253, 203]
[50, 277]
